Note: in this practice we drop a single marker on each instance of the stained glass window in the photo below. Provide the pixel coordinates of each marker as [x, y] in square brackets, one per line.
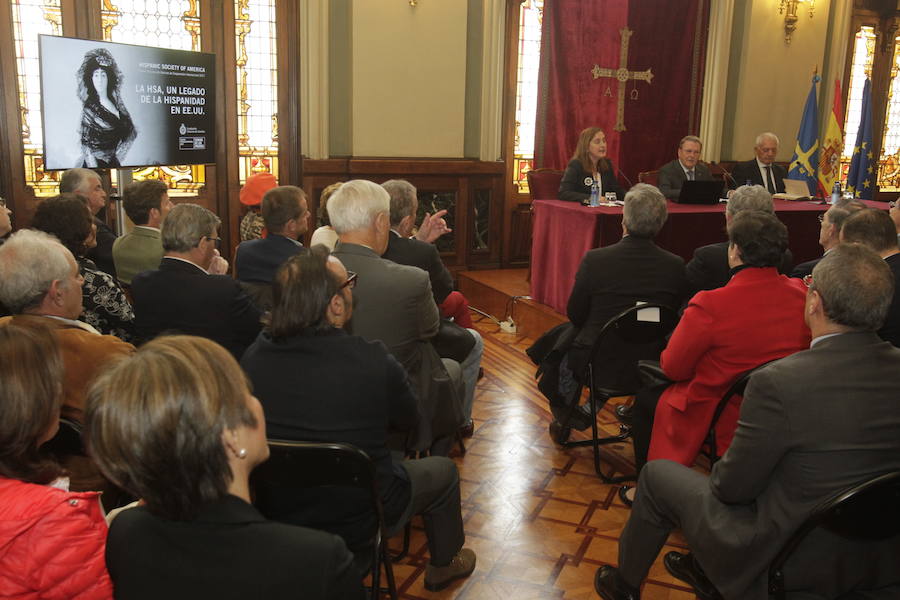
[31, 18]
[257, 80]
[165, 24]
[861, 67]
[529, 57]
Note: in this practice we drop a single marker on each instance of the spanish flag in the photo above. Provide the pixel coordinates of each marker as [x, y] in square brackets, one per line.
[832, 145]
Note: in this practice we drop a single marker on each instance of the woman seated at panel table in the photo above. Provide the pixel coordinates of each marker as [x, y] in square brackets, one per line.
[176, 425]
[757, 317]
[52, 541]
[589, 164]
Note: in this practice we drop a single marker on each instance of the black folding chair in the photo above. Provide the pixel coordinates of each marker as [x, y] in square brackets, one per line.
[629, 327]
[867, 512]
[737, 389]
[294, 468]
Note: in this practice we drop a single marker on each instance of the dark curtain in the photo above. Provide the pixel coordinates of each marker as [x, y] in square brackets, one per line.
[669, 37]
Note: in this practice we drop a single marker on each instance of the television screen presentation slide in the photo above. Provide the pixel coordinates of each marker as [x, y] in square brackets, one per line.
[108, 105]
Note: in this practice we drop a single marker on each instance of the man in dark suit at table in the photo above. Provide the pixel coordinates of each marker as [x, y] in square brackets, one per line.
[393, 303]
[190, 293]
[761, 170]
[687, 167]
[830, 222]
[799, 442]
[874, 228]
[708, 269]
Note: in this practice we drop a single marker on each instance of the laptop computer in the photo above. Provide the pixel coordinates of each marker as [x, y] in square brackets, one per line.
[701, 192]
[794, 189]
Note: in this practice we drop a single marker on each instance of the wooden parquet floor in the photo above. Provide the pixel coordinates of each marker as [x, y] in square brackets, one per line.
[537, 516]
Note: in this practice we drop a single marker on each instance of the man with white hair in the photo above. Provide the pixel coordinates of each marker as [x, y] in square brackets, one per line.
[762, 170]
[86, 182]
[394, 304]
[708, 269]
[40, 283]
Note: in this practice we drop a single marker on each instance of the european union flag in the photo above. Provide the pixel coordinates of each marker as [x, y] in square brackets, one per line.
[806, 152]
[863, 166]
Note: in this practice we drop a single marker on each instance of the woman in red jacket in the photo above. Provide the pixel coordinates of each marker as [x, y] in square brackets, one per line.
[52, 542]
[756, 318]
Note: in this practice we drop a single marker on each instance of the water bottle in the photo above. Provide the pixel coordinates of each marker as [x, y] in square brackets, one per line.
[595, 194]
[836, 192]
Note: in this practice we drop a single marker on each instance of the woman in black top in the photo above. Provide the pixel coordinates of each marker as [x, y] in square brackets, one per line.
[589, 164]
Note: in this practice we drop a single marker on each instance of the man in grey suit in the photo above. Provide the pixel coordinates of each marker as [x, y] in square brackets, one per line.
[146, 203]
[687, 167]
[812, 425]
[394, 304]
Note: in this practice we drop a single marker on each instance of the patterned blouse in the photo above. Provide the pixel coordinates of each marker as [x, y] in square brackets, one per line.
[106, 308]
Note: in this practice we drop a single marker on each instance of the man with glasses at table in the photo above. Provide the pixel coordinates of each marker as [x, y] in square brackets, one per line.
[189, 293]
[762, 169]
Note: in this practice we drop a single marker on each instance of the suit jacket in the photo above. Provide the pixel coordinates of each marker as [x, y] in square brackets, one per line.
[102, 253]
[394, 304]
[749, 171]
[611, 279]
[805, 268]
[574, 189]
[799, 442]
[140, 250]
[181, 297]
[890, 330]
[152, 557]
[416, 253]
[708, 269]
[367, 393]
[755, 318]
[671, 177]
[257, 260]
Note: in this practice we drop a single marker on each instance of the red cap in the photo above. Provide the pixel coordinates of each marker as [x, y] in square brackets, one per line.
[257, 185]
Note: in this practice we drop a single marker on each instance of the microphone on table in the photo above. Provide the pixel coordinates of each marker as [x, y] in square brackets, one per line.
[631, 185]
[725, 172]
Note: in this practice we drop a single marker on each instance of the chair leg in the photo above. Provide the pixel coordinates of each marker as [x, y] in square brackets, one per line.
[376, 571]
[405, 550]
[388, 572]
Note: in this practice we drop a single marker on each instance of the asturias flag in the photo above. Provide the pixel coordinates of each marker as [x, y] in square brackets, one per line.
[832, 145]
[861, 178]
[805, 162]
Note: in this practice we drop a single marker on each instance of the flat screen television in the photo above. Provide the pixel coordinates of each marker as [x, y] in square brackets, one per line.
[107, 105]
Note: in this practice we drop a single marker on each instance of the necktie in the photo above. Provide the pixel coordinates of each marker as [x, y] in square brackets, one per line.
[690, 175]
[770, 184]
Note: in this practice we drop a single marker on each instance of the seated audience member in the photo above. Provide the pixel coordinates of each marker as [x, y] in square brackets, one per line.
[895, 216]
[303, 357]
[687, 167]
[708, 269]
[286, 217]
[394, 304]
[177, 426]
[189, 294]
[325, 233]
[106, 308]
[755, 318]
[614, 278]
[5, 222]
[52, 541]
[762, 169]
[406, 250]
[831, 222]
[40, 282]
[146, 204]
[252, 225]
[86, 183]
[589, 165]
[874, 228]
[798, 443]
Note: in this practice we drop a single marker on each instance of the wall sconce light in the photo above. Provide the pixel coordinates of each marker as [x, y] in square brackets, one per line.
[789, 9]
[413, 3]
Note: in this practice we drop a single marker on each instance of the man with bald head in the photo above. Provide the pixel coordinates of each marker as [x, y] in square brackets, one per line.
[394, 303]
[86, 183]
[762, 169]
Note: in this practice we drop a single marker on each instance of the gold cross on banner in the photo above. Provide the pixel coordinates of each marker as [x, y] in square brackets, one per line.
[622, 74]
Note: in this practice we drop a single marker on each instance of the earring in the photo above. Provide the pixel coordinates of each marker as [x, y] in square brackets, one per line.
[242, 453]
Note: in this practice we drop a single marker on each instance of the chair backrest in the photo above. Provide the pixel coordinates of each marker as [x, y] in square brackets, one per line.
[651, 177]
[868, 512]
[543, 184]
[736, 389]
[639, 324]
